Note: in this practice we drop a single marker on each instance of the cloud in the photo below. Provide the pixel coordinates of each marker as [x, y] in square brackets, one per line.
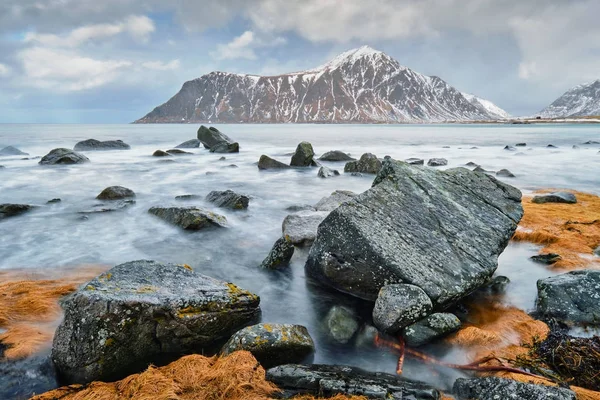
[138, 26]
[161, 66]
[4, 70]
[244, 46]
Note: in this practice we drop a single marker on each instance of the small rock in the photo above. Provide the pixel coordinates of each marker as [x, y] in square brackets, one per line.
[231, 166]
[415, 161]
[189, 218]
[280, 255]
[334, 200]
[472, 164]
[551, 146]
[368, 164]
[505, 173]
[301, 227]
[187, 197]
[53, 201]
[400, 305]
[430, 329]
[497, 285]
[189, 144]
[437, 162]
[575, 147]
[548, 259]
[63, 156]
[521, 144]
[509, 148]
[93, 144]
[492, 388]
[116, 205]
[266, 162]
[591, 142]
[556, 197]
[12, 210]
[178, 152]
[365, 338]
[272, 344]
[228, 199]
[303, 156]
[226, 148]
[12, 151]
[116, 193]
[445, 147]
[336, 155]
[325, 172]
[341, 323]
[358, 174]
[160, 153]
[223, 158]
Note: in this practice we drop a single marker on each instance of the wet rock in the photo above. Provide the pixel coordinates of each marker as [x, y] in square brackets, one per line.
[63, 156]
[53, 201]
[492, 388]
[280, 255]
[21, 379]
[178, 152]
[226, 148]
[400, 305]
[188, 197]
[161, 153]
[301, 227]
[325, 172]
[141, 312]
[431, 328]
[336, 155]
[12, 210]
[439, 230]
[266, 162]
[437, 162]
[228, 199]
[365, 338]
[231, 166]
[341, 323]
[556, 197]
[479, 169]
[472, 164]
[12, 151]
[116, 193]
[272, 344]
[497, 285]
[189, 218]
[368, 164]
[551, 146]
[303, 156]
[115, 205]
[548, 259]
[211, 137]
[93, 144]
[509, 148]
[189, 144]
[415, 161]
[520, 144]
[571, 298]
[330, 380]
[334, 200]
[504, 173]
[223, 158]
[592, 142]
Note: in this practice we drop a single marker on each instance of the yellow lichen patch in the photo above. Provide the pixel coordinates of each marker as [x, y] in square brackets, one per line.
[570, 230]
[147, 289]
[190, 311]
[187, 267]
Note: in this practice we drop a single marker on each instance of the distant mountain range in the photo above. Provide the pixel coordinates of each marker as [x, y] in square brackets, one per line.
[359, 86]
[580, 101]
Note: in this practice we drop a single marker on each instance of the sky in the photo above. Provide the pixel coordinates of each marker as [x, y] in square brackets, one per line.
[113, 61]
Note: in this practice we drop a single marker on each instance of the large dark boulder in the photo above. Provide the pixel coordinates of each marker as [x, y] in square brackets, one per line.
[492, 388]
[228, 199]
[189, 144]
[368, 164]
[439, 230]
[12, 210]
[93, 144]
[189, 218]
[303, 156]
[572, 298]
[142, 312]
[210, 137]
[12, 151]
[336, 155]
[63, 156]
[280, 255]
[329, 380]
[116, 193]
[266, 162]
[272, 344]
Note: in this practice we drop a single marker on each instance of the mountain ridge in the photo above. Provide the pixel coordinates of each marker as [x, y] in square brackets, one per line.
[579, 101]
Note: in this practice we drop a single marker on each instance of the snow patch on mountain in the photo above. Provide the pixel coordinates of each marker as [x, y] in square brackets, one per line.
[487, 105]
[580, 101]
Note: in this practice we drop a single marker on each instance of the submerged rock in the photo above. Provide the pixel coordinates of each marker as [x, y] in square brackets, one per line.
[492, 388]
[400, 305]
[116, 193]
[431, 328]
[272, 344]
[341, 323]
[226, 148]
[325, 172]
[266, 162]
[178, 152]
[437, 162]
[53, 201]
[520, 144]
[551, 146]
[24, 378]
[509, 148]
[303, 156]
[280, 255]
[439, 230]
[189, 218]
[572, 298]
[115, 205]
[141, 312]
[415, 161]
[329, 380]
[189, 144]
[12, 210]
[93, 144]
[161, 153]
[63, 156]
[187, 197]
[548, 259]
[556, 197]
[368, 164]
[12, 151]
[472, 164]
[504, 173]
[336, 155]
[228, 199]
[301, 227]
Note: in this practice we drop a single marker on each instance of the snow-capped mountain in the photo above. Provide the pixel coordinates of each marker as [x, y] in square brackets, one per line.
[361, 85]
[492, 109]
[580, 101]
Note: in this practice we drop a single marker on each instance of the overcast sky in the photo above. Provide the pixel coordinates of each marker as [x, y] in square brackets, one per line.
[112, 61]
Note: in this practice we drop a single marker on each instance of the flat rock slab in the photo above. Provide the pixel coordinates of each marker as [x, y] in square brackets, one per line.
[272, 344]
[12, 151]
[301, 227]
[334, 200]
[491, 388]
[572, 298]
[430, 329]
[329, 380]
[189, 218]
[93, 144]
[556, 197]
[439, 230]
[63, 156]
[189, 144]
[138, 312]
